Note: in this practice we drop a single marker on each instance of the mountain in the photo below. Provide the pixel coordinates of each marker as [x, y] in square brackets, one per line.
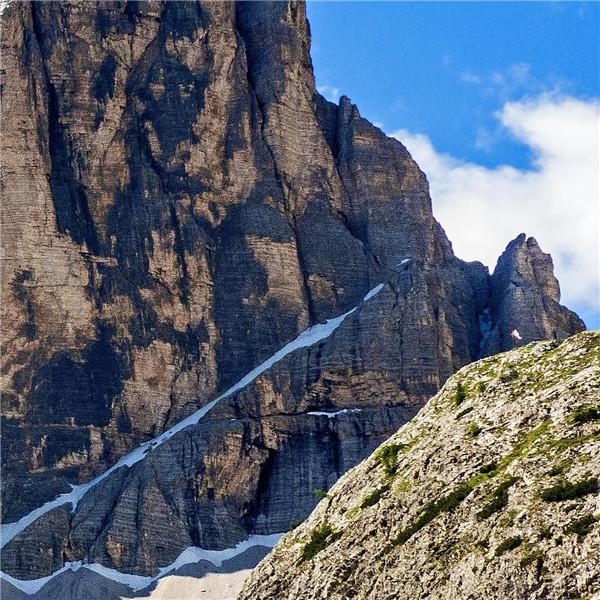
[219, 290]
[491, 491]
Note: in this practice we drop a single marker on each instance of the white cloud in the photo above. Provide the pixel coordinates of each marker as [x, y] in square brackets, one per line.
[331, 93]
[557, 201]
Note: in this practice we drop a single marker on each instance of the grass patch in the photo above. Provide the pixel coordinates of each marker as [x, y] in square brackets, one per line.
[431, 511]
[460, 395]
[387, 457]
[321, 537]
[523, 446]
[374, 497]
[585, 415]
[321, 493]
[402, 486]
[581, 527]
[481, 387]
[572, 442]
[473, 429]
[568, 491]
[508, 544]
[498, 501]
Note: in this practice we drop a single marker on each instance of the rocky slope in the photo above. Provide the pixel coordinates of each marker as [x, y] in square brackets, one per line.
[491, 491]
[178, 204]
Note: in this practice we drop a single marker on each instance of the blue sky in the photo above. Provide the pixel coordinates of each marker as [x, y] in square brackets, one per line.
[481, 87]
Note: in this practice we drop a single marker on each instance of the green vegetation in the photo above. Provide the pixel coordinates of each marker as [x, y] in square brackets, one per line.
[460, 395]
[585, 415]
[321, 493]
[581, 527]
[489, 468]
[568, 491]
[374, 497]
[481, 387]
[499, 499]
[321, 537]
[473, 429]
[432, 510]
[508, 544]
[534, 557]
[509, 375]
[523, 446]
[387, 456]
[571, 442]
[450, 502]
[557, 470]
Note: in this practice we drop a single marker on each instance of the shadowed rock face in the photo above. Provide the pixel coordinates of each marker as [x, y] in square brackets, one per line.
[178, 203]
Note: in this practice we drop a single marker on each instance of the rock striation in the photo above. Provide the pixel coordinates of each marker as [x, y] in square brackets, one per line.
[178, 204]
[491, 491]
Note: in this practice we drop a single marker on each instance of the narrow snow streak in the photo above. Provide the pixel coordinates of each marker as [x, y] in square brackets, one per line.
[331, 415]
[308, 337]
[189, 556]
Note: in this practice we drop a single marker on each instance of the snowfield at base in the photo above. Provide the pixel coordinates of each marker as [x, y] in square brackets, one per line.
[307, 338]
[139, 582]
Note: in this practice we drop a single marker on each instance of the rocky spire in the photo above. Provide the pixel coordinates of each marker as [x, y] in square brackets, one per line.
[525, 295]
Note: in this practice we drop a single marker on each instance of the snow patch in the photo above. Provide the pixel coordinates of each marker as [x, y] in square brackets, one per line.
[331, 415]
[308, 337]
[138, 582]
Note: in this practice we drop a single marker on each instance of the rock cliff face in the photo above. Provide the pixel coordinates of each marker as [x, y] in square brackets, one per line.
[491, 491]
[178, 203]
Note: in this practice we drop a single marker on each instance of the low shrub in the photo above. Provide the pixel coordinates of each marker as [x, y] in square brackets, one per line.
[431, 511]
[498, 501]
[581, 527]
[387, 456]
[585, 415]
[460, 395]
[508, 544]
[473, 430]
[321, 537]
[374, 497]
[489, 468]
[569, 491]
